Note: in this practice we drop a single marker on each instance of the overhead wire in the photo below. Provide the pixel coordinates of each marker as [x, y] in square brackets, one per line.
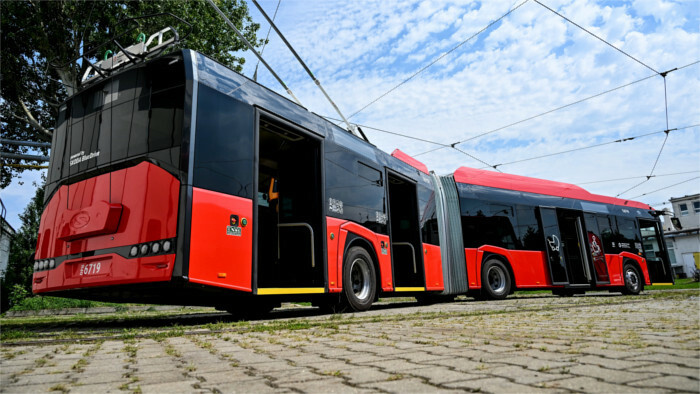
[596, 145]
[667, 187]
[640, 176]
[589, 32]
[267, 38]
[542, 114]
[422, 140]
[438, 58]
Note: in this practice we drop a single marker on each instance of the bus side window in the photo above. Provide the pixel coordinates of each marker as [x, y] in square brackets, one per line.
[607, 234]
[528, 229]
[628, 235]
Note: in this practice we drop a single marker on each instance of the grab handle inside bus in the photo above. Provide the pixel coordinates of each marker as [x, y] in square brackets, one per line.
[311, 230]
[413, 253]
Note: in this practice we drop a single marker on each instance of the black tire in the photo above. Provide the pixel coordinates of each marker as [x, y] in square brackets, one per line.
[359, 280]
[495, 280]
[633, 280]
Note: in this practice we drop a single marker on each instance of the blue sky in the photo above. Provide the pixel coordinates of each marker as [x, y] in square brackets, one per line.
[529, 63]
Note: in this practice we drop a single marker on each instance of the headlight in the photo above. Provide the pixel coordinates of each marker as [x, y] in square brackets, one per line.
[166, 246]
[134, 251]
[155, 247]
[144, 249]
[36, 266]
[52, 263]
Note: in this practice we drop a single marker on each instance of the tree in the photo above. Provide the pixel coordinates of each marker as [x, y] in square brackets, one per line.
[39, 40]
[17, 281]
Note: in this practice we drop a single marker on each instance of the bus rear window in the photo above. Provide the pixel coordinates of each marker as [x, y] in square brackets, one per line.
[137, 113]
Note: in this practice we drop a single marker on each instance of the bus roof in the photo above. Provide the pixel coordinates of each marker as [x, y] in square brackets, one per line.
[473, 176]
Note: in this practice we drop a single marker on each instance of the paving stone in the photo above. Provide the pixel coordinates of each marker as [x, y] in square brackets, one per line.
[41, 378]
[681, 383]
[669, 359]
[611, 363]
[105, 377]
[588, 384]
[669, 369]
[493, 385]
[160, 377]
[523, 375]
[394, 366]
[357, 376]
[609, 375]
[183, 386]
[404, 385]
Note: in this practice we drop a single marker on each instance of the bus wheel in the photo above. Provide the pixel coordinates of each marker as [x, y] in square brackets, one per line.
[359, 279]
[633, 281]
[495, 280]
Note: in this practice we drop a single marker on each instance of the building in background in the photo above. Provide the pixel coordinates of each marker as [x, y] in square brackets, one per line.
[6, 234]
[682, 235]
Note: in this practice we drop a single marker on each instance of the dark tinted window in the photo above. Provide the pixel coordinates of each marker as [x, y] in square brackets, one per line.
[224, 146]
[487, 224]
[607, 233]
[628, 236]
[529, 232]
[118, 119]
[428, 218]
[355, 186]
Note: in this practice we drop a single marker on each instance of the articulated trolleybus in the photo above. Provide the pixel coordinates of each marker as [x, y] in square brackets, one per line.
[178, 181]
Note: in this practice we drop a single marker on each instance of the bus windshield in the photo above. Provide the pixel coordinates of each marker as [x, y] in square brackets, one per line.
[133, 115]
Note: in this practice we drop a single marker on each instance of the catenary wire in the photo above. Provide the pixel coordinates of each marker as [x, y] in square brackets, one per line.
[542, 114]
[389, 132]
[596, 145]
[664, 188]
[640, 176]
[438, 59]
[552, 110]
[267, 38]
[589, 32]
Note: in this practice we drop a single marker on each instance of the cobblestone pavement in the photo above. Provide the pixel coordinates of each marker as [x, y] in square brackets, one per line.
[649, 343]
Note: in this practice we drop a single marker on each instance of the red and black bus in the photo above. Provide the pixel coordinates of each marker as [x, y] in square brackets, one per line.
[179, 181]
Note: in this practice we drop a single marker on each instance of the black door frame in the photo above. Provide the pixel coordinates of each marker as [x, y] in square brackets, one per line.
[419, 258]
[320, 139]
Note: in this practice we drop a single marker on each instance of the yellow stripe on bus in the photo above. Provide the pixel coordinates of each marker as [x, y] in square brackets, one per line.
[662, 284]
[292, 290]
[409, 289]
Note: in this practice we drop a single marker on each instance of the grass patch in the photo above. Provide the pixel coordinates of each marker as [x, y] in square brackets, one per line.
[687, 283]
[38, 303]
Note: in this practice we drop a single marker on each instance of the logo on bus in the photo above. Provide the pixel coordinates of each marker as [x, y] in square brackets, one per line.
[554, 243]
[80, 220]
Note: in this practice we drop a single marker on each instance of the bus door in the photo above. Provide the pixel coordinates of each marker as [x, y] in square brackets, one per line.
[655, 252]
[596, 250]
[404, 234]
[566, 247]
[289, 203]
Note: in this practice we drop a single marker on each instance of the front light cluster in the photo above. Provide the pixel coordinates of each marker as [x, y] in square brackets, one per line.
[152, 248]
[41, 265]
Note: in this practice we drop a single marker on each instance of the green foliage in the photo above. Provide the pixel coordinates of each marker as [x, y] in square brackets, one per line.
[40, 39]
[18, 293]
[38, 303]
[17, 281]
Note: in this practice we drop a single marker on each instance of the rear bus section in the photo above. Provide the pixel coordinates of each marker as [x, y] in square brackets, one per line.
[527, 233]
[114, 184]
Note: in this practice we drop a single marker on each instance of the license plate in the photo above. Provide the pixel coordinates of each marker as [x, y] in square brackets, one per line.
[89, 269]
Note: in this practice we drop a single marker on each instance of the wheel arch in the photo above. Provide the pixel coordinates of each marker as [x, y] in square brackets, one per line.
[357, 240]
[635, 264]
[503, 259]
